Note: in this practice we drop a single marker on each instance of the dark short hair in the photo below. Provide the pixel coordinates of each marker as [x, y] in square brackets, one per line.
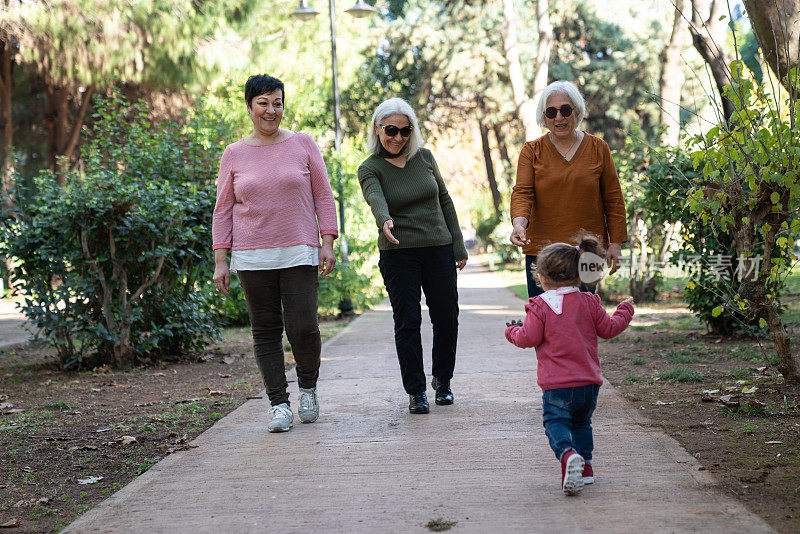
[258, 84]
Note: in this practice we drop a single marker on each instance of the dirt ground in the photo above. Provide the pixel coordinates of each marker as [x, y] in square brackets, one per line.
[720, 399]
[79, 437]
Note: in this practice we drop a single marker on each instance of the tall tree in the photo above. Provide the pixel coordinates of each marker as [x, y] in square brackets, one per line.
[7, 55]
[672, 77]
[708, 37]
[776, 24]
[526, 103]
[81, 46]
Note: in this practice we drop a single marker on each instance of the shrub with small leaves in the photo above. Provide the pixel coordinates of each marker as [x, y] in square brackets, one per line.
[110, 263]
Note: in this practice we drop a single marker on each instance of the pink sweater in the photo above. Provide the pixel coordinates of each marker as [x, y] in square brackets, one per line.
[566, 344]
[271, 196]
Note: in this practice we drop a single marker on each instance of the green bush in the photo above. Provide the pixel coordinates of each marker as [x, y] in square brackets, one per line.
[109, 265]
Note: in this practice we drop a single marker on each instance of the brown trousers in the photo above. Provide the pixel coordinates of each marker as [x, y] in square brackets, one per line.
[279, 298]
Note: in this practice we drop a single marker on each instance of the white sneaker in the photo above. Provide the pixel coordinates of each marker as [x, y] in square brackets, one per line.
[308, 408]
[282, 418]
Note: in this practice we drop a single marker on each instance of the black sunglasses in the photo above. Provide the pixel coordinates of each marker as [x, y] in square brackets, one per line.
[551, 112]
[391, 130]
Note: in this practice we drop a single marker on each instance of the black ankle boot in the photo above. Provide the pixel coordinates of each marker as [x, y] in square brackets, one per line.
[418, 403]
[443, 394]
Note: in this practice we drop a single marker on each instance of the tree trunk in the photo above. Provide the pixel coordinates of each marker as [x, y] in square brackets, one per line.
[487, 159]
[6, 120]
[508, 166]
[708, 38]
[526, 105]
[61, 138]
[776, 25]
[672, 77]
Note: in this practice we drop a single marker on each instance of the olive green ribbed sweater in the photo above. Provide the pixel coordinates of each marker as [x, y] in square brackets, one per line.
[415, 199]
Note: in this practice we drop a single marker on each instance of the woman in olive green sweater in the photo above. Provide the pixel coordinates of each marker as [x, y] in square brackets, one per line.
[420, 246]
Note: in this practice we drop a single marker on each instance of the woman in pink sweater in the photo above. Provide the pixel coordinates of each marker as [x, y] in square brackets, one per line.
[273, 203]
[563, 324]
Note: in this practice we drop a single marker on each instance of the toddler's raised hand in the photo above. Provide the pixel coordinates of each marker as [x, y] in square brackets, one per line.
[514, 322]
[629, 300]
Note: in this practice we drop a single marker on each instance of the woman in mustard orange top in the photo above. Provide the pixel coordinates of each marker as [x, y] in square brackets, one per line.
[566, 183]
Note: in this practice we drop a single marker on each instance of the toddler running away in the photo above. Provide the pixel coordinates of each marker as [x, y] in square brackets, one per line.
[563, 324]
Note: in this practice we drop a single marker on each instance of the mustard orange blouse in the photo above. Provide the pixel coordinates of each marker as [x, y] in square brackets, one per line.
[559, 197]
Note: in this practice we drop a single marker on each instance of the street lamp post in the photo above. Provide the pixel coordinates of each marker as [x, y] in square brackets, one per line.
[306, 12]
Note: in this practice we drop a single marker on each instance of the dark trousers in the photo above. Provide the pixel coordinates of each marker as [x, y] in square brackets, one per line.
[534, 289]
[275, 298]
[405, 272]
[567, 418]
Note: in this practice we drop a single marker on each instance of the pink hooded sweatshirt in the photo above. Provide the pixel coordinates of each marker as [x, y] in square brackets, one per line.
[563, 325]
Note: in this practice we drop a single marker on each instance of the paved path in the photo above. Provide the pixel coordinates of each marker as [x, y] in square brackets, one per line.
[12, 322]
[369, 466]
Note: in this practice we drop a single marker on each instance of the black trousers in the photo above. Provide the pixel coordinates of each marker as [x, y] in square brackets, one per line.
[275, 298]
[406, 272]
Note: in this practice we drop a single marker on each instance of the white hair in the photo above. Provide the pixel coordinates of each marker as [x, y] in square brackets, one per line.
[561, 87]
[394, 106]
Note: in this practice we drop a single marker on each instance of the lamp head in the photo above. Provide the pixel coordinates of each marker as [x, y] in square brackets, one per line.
[361, 9]
[305, 11]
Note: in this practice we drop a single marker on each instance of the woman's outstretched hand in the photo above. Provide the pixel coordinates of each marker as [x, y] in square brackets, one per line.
[387, 231]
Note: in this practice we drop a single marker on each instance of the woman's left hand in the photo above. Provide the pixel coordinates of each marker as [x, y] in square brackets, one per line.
[461, 263]
[614, 257]
[327, 260]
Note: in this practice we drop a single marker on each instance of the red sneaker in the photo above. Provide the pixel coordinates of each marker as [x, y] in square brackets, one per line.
[571, 472]
[588, 474]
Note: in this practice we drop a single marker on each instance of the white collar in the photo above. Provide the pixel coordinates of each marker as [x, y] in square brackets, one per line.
[555, 297]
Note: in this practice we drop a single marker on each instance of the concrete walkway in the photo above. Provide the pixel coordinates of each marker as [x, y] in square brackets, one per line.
[12, 325]
[368, 465]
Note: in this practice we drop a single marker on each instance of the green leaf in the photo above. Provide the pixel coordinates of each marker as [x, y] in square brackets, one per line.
[716, 312]
[775, 197]
[762, 323]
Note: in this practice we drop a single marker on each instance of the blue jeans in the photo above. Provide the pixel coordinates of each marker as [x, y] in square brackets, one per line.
[534, 289]
[567, 414]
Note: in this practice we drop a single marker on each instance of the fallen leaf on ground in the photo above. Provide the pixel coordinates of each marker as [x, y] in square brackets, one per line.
[101, 370]
[711, 391]
[84, 447]
[127, 440]
[662, 403]
[749, 390]
[96, 390]
[761, 369]
[729, 400]
[223, 375]
[773, 442]
[186, 401]
[143, 404]
[159, 374]
[99, 430]
[89, 480]
[6, 408]
[756, 404]
[11, 523]
[228, 360]
[215, 392]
